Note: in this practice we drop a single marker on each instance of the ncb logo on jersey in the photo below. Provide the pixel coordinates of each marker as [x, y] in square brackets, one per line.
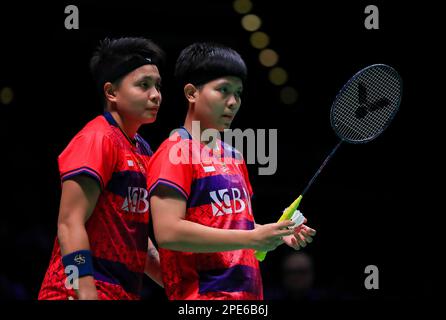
[229, 201]
[136, 200]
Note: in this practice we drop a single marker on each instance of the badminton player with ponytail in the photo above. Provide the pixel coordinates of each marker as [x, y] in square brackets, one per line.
[201, 210]
[104, 209]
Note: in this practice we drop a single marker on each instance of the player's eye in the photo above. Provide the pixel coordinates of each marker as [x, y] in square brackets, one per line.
[223, 90]
[144, 85]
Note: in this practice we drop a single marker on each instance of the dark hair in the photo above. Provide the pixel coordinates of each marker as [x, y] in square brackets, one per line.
[200, 63]
[114, 58]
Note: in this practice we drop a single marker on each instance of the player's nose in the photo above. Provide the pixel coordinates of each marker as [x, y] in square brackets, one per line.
[155, 97]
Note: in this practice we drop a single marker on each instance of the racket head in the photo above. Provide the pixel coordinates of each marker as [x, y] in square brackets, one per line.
[367, 104]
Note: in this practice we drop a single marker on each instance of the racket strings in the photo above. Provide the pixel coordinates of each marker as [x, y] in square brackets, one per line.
[389, 89]
[367, 104]
[371, 124]
[375, 120]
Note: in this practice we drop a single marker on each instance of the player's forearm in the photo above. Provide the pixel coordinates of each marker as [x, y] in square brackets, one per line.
[152, 267]
[73, 237]
[188, 236]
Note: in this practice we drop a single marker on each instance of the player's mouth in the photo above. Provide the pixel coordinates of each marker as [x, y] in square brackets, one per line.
[153, 109]
[229, 117]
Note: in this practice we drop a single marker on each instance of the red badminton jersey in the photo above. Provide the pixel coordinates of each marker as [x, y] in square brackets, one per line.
[118, 227]
[218, 192]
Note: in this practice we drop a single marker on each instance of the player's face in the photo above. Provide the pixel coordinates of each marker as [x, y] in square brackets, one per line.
[138, 96]
[218, 101]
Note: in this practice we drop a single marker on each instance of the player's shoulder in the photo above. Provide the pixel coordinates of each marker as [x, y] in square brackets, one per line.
[178, 138]
[96, 125]
[95, 131]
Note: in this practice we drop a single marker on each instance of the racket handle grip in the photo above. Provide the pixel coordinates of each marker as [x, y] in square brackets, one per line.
[286, 215]
[260, 255]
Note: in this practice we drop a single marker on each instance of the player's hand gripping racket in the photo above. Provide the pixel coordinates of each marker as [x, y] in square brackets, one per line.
[362, 110]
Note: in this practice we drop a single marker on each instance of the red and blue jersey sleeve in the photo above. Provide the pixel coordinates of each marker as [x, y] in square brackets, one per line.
[90, 153]
[171, 166]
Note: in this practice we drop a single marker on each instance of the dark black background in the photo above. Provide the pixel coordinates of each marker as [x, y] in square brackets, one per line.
[373, 204]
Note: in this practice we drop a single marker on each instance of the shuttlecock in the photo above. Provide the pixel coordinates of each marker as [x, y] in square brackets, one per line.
[298, 218]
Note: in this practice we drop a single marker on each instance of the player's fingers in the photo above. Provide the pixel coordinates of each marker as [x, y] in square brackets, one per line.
[301, 241]
[307, 236]
[283, 233]
[290, 241]
[298, 229]
[285, 224]
[308, 230]
[294, 244]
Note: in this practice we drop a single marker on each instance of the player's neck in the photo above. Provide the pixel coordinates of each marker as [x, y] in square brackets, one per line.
[197, 135]
[129, 128]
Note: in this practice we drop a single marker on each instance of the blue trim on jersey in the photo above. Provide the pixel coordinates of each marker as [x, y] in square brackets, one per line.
[184, 134]
[117, 273]
[143, 146]
[110, 119]
[201, 188]
[122, 180]
[234, 279]
[170, 184]
[229, 150]
[83, 170]
[243, 224]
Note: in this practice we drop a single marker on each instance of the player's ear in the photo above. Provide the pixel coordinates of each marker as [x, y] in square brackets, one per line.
[110, 92]
[190, 92]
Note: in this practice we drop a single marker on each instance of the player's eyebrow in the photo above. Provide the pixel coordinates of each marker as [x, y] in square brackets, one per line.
[231, 84]
[156, 79]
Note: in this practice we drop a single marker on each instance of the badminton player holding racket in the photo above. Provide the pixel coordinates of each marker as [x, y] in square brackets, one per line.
[361, 112]
[201, 209]
[103, 216]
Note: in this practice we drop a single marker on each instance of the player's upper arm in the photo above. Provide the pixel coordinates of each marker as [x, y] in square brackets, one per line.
[78, 200]
[167, 207]
[99, 162]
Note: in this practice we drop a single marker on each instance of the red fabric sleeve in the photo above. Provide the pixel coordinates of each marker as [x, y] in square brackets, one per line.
[89, 153]
[171, 166]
